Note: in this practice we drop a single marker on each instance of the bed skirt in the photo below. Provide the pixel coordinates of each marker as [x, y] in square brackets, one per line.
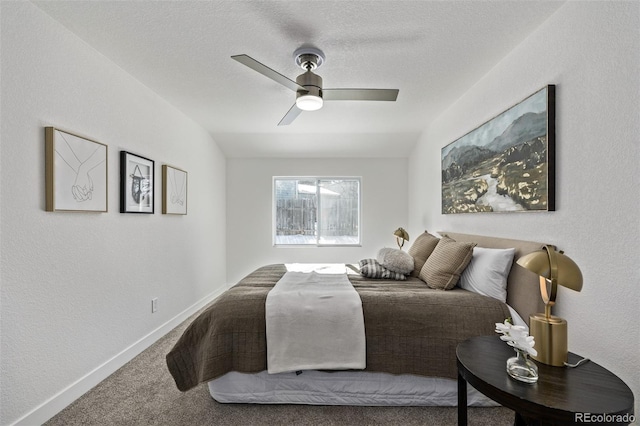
[341, 388]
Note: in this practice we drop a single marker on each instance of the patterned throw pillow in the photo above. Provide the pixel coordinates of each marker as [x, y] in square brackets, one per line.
[420, 250]
[443, 267]
[371, 268]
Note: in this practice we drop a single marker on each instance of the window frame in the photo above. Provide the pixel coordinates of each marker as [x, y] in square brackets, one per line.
[317, 179]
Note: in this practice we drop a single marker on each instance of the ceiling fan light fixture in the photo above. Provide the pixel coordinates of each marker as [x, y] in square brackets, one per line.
[309, 102]
[308, 86]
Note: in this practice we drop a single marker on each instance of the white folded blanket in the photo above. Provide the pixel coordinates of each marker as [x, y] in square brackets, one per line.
[314, 321]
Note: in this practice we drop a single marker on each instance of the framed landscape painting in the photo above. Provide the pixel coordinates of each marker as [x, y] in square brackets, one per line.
[505, 165]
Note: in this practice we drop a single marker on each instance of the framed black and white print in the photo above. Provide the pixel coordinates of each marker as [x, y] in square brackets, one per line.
[174, 190]
[136, 183]
[75, 173]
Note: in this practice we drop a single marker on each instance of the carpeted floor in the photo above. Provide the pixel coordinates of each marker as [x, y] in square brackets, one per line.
[143, 393]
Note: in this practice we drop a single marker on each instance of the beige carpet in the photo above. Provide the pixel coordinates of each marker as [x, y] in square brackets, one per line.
[143, 393]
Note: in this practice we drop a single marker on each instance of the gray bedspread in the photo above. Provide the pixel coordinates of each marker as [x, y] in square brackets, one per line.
[410, 328]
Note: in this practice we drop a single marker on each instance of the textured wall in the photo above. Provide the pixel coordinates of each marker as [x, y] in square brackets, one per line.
[249, 209]
[77, 288]
[590, 51]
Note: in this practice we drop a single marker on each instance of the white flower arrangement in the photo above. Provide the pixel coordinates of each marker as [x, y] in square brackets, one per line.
[516, 336]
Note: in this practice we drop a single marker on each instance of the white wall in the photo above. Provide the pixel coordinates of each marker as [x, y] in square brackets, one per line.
[590, 50]
[77, 287]
[249, 209]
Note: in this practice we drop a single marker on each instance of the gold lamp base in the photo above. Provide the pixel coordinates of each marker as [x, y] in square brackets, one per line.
[550, 334]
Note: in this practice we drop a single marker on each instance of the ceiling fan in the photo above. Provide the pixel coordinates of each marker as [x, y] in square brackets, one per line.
[310, 95]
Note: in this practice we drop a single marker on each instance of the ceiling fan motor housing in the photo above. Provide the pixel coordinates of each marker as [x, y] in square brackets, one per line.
[310, 81]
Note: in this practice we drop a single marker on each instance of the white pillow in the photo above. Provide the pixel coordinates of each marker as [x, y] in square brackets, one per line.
[396, 260]
[487, 272]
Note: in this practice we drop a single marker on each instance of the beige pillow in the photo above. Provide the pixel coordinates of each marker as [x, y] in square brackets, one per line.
[395, 260]
[443, 267]
[420, 251]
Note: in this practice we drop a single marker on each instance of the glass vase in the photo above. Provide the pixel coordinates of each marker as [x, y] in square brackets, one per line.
[521, 368]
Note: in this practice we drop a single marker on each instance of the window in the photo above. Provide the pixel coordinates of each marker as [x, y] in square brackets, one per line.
[316, 211]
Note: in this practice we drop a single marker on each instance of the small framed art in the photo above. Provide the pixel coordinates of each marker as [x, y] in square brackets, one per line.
[174, 190]
[75, 173]
[136, 183]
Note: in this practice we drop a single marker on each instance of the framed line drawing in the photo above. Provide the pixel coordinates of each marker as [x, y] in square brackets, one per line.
[136, 183]
[174, 190]
[506, 164]
[75, 173]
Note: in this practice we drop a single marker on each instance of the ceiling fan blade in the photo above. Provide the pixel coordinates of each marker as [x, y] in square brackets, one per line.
[290, 116]
[268, 72]
[360, 94]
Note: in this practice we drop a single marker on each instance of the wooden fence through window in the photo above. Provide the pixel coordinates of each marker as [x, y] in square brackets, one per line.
[300, 216]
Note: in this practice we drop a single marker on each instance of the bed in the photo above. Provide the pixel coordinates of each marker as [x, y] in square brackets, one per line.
[411, 335]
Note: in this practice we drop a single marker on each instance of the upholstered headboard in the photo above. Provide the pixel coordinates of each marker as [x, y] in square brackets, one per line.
[523, 288]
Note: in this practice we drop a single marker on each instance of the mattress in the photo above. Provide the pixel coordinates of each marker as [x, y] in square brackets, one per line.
[363, 388]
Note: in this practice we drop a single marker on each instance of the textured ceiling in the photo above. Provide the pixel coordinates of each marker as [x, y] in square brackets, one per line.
[432, 51]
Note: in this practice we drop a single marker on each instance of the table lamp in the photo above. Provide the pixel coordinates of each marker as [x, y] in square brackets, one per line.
[401, 236]
[550, 332]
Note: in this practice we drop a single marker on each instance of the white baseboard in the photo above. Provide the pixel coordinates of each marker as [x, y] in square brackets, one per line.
[62, 399]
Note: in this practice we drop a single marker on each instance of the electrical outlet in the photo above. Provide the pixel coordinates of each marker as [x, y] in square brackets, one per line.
[154, 305]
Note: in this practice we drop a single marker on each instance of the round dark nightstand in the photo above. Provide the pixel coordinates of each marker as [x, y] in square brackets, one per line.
[587, 394]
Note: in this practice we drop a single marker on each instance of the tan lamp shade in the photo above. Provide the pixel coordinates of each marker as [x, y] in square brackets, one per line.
[401, 236]
[541, 263]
